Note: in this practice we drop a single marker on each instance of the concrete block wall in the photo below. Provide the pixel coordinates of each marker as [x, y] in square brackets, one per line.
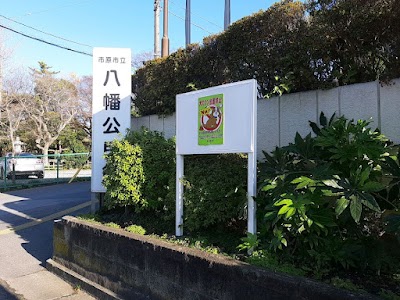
[279, 118]
[141, 267]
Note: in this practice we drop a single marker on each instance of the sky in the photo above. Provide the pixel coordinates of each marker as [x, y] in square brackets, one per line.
[81, 25]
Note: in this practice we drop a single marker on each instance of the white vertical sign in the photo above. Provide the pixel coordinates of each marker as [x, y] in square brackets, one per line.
[111, 109]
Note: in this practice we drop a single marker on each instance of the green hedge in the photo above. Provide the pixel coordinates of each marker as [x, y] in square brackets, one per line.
[138, 170]
[292, 46]
[140, 176]
[214, 190]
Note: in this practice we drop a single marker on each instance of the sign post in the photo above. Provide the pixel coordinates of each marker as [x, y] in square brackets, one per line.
[220, 119]
[111, 109]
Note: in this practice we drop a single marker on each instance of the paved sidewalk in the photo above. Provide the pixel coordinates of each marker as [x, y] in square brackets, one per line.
[24, 278]
[26, 238]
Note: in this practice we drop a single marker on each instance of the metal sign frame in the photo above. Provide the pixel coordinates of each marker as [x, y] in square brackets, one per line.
[239, 136]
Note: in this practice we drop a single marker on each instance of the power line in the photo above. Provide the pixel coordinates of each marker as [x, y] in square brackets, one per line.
[46, 42]
[198, 26]
[216, 25]
[58, 37]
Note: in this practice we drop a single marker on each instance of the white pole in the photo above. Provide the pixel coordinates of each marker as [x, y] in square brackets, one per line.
[157, 29]
[252, 171]
[179, 195]
[251, 192]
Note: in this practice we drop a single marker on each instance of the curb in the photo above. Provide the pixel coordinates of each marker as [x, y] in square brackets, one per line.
[85, 284]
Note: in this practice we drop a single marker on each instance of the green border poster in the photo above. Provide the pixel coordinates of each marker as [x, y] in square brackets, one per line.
[211, 120]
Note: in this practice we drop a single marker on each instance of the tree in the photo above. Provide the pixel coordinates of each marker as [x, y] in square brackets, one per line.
[139, 59]
[355, 40]
[5, 55]
[17, 92]
[85, 95]
[52, 107]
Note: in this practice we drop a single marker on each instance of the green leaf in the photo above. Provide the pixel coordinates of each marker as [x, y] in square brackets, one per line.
[269, 187]
[355, 208]
[291, 211]
[298, 140]
[392, 165]
[314, 127]
[283, 210]
[373, 186]
[332, 183]
[284, 202]
[364, 176]
[330, 193]
[370, 202]
[301, 229]
[341, 205]
[322, 119]
[270, 215]
[302, 182]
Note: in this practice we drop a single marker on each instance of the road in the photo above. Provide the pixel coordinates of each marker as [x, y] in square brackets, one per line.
[26, 238]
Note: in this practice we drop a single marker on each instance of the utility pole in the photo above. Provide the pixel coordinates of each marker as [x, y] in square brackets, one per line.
[156, 28]
[187, 23]
[165, 39]
[227, 15]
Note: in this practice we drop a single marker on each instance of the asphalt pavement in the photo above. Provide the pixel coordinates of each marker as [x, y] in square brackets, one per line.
[26, 240]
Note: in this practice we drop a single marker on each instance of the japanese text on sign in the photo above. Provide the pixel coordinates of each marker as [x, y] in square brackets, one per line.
[111, 104]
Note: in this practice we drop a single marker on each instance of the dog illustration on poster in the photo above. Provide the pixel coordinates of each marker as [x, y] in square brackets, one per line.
[211, 120]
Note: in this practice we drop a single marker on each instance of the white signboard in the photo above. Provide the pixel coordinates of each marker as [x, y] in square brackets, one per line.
[220, 119]
[111, 109]
[217, 120]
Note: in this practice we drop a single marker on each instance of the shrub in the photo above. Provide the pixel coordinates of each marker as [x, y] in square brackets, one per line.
[214, 190]
[123, 176]
[321, 198]
[138, 170]
[136, 229]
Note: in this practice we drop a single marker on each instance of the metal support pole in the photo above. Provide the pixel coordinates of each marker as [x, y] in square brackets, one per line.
[187, 23]
[13, 172]
[165, 39]
[58, 167]
[179, 195]
[251, 193]
[94, 202]
[227, 14]
[5, 171]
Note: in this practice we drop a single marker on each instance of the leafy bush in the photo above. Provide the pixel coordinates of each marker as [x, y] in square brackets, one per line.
[74, 160]
[322, 197]
[123, 176]
[158, 165]
[214, 190]
[138, 171]
[140, 174]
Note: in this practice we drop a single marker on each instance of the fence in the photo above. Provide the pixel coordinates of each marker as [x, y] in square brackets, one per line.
[28, 170]
[279, 118]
